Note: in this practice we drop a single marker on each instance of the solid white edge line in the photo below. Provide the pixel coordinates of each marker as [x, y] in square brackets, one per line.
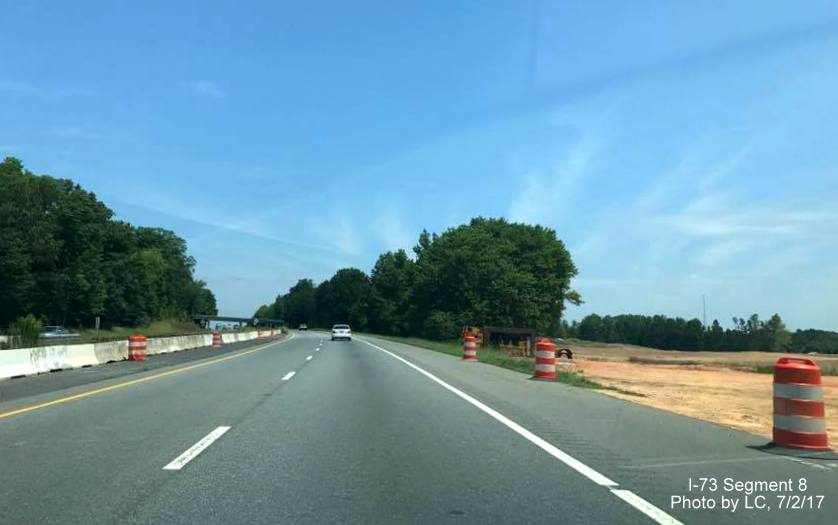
[288, 376]
[645, 507]
[629, 497]
[180, 461]
[309, 358]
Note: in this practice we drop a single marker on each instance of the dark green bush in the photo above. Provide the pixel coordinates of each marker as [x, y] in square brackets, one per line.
[441, 326]
[26, 330]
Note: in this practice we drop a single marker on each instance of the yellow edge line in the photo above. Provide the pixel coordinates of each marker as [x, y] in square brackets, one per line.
[136, 381]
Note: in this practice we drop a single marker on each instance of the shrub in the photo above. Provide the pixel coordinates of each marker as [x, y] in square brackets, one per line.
[26, 330]
[440, 326]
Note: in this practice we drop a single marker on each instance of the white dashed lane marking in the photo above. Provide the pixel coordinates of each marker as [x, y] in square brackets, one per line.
[190, 454]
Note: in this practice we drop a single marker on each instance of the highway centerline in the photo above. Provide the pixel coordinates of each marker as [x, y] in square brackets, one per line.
[629, 497]
[146, 379]
[180, 461]
[288, 376]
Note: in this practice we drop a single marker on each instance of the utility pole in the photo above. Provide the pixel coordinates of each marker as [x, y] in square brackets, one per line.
[703, 311]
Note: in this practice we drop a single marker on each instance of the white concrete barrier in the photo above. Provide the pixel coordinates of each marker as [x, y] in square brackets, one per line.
[164, 345]
[15, 363]
[237, 337]
[29, 361]
[110, 351]
[59, 357]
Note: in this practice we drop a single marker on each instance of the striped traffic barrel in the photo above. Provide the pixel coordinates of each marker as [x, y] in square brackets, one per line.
[469, 348]
[545, 360]
[216, 339]
[799, 418]
[137, 347]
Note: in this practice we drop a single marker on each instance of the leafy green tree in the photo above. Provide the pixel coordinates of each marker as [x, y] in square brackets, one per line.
[299, 303]
[265, 312]
[492, 272]
[714, 337]
[323, 305]
[344, 299]
[440, 326]
[391, 283]
[63, 258]
[819, 341]
[591, 328]
[779, 337]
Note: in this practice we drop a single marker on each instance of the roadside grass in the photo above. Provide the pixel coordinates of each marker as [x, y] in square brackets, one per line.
[497, 357]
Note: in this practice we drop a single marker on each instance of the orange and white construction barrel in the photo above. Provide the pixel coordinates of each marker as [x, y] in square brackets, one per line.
[216, 340]
[545, 360]
[137, 347]
[799, 417]
[469, 348]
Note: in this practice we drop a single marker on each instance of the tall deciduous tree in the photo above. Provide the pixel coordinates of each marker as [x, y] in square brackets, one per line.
[299, 303]
[391, 285]
[492, 272]
[65, 260]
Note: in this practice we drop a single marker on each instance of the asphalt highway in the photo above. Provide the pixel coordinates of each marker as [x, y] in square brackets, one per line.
[307, 430]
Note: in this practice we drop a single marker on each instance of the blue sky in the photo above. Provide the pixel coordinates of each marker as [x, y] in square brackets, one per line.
[678, 148]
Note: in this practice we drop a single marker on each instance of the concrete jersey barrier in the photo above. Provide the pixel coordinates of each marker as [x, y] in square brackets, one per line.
[58, 357]
[31, 361]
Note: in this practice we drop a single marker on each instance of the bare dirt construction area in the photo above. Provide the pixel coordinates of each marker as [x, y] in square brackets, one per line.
[714, 386]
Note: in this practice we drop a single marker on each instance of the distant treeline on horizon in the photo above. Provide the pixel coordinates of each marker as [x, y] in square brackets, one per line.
[668, 333]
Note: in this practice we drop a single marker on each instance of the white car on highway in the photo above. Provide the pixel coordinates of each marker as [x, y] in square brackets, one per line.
[341, 331]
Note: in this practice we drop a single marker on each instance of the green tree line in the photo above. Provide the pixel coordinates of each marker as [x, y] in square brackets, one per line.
[660, 331]
[486, 272]
[65, 260]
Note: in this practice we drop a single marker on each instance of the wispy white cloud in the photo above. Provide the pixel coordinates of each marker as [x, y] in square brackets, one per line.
[338, 233]
[547, 195]
[390, 230]
[721, 171]
[699, 229]
[206, 88]
[723, 252]
[727, 217]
